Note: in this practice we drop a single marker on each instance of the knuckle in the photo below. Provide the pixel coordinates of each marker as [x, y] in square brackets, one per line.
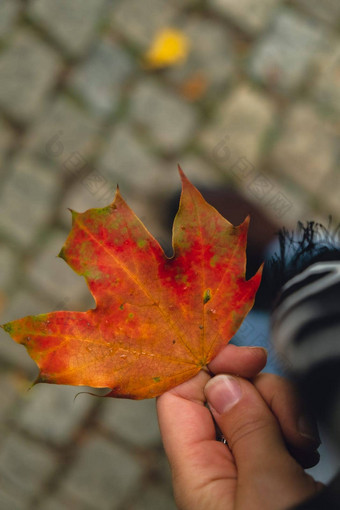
[248, 431]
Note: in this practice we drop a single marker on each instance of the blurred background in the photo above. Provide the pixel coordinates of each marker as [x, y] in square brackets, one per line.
[244, 95]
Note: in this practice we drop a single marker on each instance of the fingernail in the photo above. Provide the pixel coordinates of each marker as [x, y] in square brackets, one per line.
[222, 393]
[307, 430]
[257, 347]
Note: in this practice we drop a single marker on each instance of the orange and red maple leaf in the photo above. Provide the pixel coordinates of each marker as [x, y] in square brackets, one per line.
[158, 320]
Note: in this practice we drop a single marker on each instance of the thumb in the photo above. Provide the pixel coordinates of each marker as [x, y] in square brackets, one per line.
[251, 430]
[268, 477]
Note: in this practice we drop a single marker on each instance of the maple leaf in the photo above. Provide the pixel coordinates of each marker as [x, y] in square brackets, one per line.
[158, 321]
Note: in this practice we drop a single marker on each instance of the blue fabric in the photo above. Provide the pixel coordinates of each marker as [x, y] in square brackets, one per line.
[255, 331]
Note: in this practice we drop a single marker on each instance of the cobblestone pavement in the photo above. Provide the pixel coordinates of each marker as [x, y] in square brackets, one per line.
[256, 106]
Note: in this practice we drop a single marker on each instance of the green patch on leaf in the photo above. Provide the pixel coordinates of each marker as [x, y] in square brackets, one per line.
[141, 243]
[206, 296]
[213, 260]
[8, 328]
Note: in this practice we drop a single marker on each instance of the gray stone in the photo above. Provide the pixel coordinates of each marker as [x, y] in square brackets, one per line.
[65, 502]
[103, 474]
[94, 190]
[185, 3]
[53, 414]
[135, 421]
[278, 197]
[53, 277]
[199, 172]
[281, 59]
[234, 139]
[144, 180]
[328, 195]
[28, 70]
[9, 10]
[26, 199]
[209, 67]
[327, 10]
[326, 85]
[24, 466]
[140, 21]
[11, 502]
[307, 148]
[24, 302]
[10, 394]
[72, 24]
[16, 355]
[127, 162]
[6, 141]
[153, 498]
[101, 76]
[249, 15]
[65, 135]
[7, 265]
[170, 121]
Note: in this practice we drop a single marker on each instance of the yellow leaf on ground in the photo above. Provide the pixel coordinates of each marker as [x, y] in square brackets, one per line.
[169, 47]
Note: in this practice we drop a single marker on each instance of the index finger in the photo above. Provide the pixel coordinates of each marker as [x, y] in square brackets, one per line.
[187, 427]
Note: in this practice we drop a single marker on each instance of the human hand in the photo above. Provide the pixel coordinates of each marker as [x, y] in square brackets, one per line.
[259, 419]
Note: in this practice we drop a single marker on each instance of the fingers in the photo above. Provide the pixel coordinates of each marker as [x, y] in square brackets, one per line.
[197, 460]
[187, 429]
[299, 430]
[243, 361]
[255, 439]
[245, 420]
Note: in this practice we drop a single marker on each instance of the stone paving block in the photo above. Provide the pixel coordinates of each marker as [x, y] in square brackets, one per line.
[24, 466]
[278, 197]
[10, 387]
[200, 173]
[72, 24]
[326, 85]
[170, 121]
[327, 10]
[26, 199]
[9, 10]
[7, 265]
[21, 304]
[24, 302]
[28, 70]
[307, 148]
[64, 133]
[127, 162]
[10, 502]
[52, 413]
[209, 67]
[53, 277]
[328, 195]
[161, 472]
[101, 76]
[135, 421]
[6, 141]
[154, 498]
[141, 21]
[103, 475]
[65, 502]
[282, 57]
[234, 139]
[95, 190]
[249, 15]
